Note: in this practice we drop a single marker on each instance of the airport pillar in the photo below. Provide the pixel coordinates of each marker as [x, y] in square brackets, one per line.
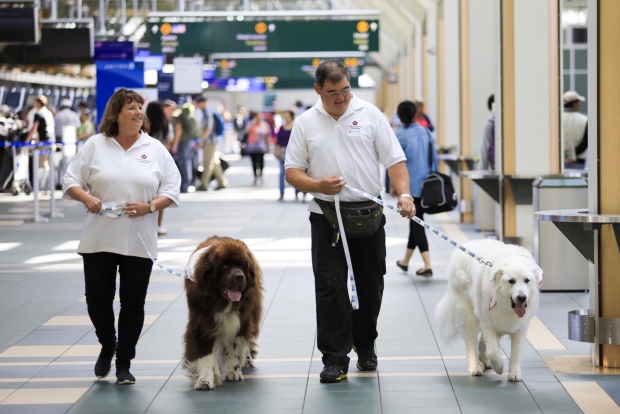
[603, 153]
[528, 109]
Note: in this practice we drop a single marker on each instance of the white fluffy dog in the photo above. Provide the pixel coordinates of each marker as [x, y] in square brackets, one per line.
[491, 301]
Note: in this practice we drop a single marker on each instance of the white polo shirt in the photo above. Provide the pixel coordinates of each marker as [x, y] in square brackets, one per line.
[354, 147]
[104, 169]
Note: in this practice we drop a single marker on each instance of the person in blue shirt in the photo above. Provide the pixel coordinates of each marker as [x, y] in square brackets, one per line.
[415, 140]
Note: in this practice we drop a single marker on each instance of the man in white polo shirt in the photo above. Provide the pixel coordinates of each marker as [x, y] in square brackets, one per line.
[344, 136]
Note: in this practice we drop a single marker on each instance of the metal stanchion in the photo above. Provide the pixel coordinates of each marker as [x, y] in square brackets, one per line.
[35, 187]
[52, 182]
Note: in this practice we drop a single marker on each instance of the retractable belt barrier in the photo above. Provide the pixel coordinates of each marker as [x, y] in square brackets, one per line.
[40, 148]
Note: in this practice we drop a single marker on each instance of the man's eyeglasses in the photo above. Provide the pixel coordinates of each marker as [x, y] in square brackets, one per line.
[343, 92]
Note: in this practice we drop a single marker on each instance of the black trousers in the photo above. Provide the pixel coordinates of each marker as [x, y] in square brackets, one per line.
[258, 163]
[417, 233]
[339, 327]
[100, 279]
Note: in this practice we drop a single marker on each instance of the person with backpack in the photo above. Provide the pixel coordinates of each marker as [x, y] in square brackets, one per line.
[416, 142]
[212, 130]
[186, 128]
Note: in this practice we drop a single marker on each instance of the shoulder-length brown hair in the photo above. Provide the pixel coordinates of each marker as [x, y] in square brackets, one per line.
[109, 120]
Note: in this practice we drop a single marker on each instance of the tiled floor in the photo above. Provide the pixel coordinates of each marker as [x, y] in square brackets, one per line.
[48, 347]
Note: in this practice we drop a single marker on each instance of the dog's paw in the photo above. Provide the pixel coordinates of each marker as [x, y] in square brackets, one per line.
[234, 376]
[476, 370]
[204, 385]
[249, 361]
[497, 364]
[514, 378]
[514, 375]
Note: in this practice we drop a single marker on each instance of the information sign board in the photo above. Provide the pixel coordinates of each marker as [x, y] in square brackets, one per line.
[209, 37]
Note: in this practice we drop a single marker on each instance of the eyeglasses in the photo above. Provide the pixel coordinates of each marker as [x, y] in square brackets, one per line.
[343, 92]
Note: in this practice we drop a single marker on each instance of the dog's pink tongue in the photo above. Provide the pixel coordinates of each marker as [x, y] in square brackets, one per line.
[235, 295]
[520, 309]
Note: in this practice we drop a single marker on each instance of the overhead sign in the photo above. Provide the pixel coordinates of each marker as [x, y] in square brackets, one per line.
[205, 38]
[112, 75]
[187, 75]
[113, 50]
[280, 68]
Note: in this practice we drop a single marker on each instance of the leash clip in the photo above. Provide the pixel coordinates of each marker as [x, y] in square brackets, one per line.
[482, 261]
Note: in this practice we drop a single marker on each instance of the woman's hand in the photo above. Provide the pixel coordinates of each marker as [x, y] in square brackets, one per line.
[138, 209]
[92, 203]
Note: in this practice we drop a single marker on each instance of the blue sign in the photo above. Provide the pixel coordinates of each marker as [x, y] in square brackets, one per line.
[155, 62]
[111, 50]
[112, 75]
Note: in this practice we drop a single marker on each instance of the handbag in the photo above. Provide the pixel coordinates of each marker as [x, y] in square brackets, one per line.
[360, 219]
[438, 194]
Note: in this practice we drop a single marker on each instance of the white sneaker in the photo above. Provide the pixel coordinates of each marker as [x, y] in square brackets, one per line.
[161, 230]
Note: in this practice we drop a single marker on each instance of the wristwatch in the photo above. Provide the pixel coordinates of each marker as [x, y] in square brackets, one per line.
[406, 195]
[152, 207]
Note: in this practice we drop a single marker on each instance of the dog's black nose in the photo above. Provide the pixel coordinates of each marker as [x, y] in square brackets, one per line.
[521, 298]
[239, 277]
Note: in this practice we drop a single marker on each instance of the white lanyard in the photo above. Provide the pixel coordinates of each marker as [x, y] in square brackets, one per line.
[351, 281]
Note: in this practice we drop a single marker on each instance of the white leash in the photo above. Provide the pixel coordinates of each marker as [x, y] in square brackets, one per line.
[351, 281]
[424, 224]
[113, 209]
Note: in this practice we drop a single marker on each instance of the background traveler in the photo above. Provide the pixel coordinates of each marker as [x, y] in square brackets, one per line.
[487, 144]
[575, 131]
[257, 144]
[415, 139]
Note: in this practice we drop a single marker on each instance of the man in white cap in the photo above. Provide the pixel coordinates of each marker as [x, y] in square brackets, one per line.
[575, 131]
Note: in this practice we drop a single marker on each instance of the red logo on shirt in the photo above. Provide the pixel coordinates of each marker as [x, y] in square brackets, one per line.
[143, 156]
[354, 122]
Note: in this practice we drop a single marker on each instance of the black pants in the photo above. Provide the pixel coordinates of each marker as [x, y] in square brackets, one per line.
[100, 280]
[417, 233]
[258, 163]
[339, 327]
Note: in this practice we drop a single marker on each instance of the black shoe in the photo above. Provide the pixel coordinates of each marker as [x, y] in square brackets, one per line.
[104, 362]
[366, 359]
[403, 267]
[425, 273]
[333, 373]
[123, 376]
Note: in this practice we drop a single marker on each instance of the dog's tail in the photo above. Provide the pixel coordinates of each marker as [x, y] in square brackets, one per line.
[446, 319]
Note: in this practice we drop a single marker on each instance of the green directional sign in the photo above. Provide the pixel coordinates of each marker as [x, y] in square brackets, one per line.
[205, 38]
[278, 68]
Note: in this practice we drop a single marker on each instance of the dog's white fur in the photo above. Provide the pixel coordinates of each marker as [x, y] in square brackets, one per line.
[231, 351]
[480, 300]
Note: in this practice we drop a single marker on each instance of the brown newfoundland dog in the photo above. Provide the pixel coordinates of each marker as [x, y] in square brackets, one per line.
[224, 297]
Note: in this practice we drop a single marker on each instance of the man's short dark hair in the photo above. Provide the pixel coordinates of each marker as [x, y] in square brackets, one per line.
[200, 99]
[490, 102]
[332, 71]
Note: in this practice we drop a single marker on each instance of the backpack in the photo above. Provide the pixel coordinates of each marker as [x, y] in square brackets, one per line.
[218, 123]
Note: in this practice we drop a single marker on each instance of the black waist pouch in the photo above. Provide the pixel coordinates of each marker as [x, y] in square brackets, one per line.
[360, 219]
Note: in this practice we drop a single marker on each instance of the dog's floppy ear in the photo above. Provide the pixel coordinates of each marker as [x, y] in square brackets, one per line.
[538, 275]
[497, 275]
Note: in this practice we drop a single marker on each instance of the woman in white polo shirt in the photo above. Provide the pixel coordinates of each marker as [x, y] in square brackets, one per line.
[122, 176]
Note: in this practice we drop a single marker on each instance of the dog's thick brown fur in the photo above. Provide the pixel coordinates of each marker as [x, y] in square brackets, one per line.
[224, 298]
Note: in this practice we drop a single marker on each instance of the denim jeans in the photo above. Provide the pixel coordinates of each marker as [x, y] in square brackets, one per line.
[184, 161]
[100, 280]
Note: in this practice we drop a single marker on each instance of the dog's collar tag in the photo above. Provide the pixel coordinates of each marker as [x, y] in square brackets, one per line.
[191, 263]
[493, 303]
